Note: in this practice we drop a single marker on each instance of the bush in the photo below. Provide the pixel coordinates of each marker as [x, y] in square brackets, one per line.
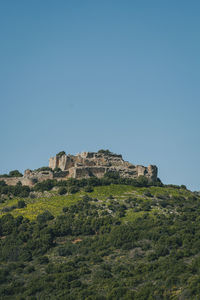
[2, 183]
[183, 187]
[61, 153]
[29, 269]
[21, 204]
[15, 173]
[43, 260]
[88, 189]
[66, 250]
[105, 152]
[142, 181]
[57, 170]
[62, 191]
[45, 216]
[73, 189]
[43, 169]
[45, 185]
[112, 175]
[8, 208]
[65, 209]
[164, 196]
[147, 194]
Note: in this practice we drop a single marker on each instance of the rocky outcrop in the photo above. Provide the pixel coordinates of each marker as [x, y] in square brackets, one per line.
[87, 164]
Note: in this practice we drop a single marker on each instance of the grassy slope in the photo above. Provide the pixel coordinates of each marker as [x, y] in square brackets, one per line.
[54, 203]
[134, 260]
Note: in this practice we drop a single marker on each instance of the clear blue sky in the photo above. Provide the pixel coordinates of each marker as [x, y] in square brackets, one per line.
[85, 75]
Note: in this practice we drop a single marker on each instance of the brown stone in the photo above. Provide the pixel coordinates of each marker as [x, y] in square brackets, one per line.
[85, 165]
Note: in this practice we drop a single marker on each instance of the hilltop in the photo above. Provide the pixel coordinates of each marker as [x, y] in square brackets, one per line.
[88, 164]
[82, 165]
[108, 238]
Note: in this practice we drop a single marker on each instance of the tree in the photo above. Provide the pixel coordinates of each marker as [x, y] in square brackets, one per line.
[45, 216]
[61, 153]
[62, 191]
[21, 204]
[105, 152]
[142, 181]
[15, 173]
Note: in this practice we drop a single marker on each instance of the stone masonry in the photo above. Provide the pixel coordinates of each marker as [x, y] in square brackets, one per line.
[84, 165]
[87, 164]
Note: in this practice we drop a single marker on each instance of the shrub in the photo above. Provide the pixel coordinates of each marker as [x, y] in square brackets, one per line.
[73, 189]
[164, 203]
[62, 191]
[112, 175]
[164, 196]
[45, 216]
[147, 194]
[32, 195]
[45, 185]
[105, 152]
[15, 173]
[29, 269]
[57, 170]
[66, 250]
[142, 181]
[21, 204]
[86, 198]
[65, 209]
[8, 208]
[43, 169]
[183, 187]
[43, 260]
[88, 189]
[2, 183]
[61, 153]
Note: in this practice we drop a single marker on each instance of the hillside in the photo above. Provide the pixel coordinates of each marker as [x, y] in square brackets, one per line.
[100, 239]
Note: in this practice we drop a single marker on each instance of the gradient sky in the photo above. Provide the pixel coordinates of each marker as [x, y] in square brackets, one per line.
[86, 75]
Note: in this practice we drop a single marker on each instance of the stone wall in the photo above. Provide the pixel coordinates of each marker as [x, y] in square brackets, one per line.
[30, 178]
[85, 165]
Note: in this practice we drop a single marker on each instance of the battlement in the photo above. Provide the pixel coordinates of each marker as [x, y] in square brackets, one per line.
[84, 165]
[87, 164]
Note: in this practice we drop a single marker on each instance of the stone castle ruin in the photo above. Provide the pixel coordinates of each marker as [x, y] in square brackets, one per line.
[84, 165]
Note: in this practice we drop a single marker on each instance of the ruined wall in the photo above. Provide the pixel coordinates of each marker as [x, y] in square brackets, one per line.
[30, 178]
[15, 180]
[87, 164]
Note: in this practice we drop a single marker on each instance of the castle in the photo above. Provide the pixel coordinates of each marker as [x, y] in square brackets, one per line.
[84, 165]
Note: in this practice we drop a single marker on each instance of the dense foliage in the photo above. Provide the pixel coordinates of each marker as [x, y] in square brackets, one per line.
[130, 247]
[74, 185]
[43, 169]
[106, 152]
[61, 153]
[15, 190]
[14, 173]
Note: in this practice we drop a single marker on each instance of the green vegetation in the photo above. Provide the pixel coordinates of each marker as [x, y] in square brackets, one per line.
[62, 191]
[106, 152]
[21, 204]
[17, 190]
[61, 153]
[14, 173]
[43, 169]
[99, 239]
